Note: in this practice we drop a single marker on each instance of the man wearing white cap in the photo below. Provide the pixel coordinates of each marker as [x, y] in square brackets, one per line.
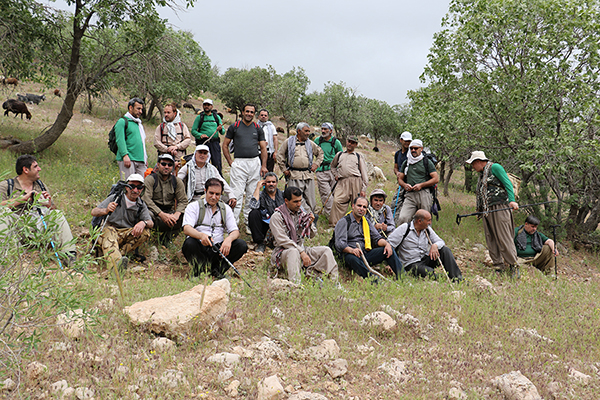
[417, 176]
[325, 178]
[206, 129]
[402, 154]
[197, 171]
[128, 222]
[166, 199]
[495, 191]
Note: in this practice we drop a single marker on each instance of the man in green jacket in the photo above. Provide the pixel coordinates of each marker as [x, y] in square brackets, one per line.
[534, 247]
[325, 179]
[131, 142]
[206, 129]
[495, 191]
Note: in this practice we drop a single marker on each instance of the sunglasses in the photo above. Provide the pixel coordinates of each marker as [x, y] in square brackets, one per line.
[166, 164]
[138, 187]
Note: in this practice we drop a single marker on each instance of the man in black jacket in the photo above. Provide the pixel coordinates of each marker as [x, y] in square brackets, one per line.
[263, 204]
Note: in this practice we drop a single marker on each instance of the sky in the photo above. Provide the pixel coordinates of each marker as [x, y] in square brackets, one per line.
[378, 47]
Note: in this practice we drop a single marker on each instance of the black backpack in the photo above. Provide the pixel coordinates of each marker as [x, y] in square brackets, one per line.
[116, 191]
[156, 178]
[11, 186]
[435, 204]
[215, 116]
[112, 139]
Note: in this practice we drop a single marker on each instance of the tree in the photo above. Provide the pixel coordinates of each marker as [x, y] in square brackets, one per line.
[240, 86]
[92, 16]
[382, 118]
[339, 105]
[525, 75]
[284, 93]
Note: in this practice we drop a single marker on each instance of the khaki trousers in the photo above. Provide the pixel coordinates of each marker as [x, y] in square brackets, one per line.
[325, 181]
[309, 200]
[321, 258]
[414, 201]
[346, 191]
[544, 260]
[115, 241]
[499, 228]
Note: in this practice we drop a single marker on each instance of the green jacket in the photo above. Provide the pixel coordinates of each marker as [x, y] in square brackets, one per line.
[329, 151]
[209, 126]
[133, 146]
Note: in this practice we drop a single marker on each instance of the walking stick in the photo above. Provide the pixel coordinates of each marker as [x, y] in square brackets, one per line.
[218, 251]
[555, 247]
[208, 138]
[372, 216]
[373, 270]
[439, 260]
[51, 241]
[396, 204]
[458, 216]
[325, 202]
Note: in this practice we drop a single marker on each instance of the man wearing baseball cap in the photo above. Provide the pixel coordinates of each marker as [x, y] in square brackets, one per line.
[325, 178]
[128, 222]
[206, 129]
[379, 213]
[166, 199]
[495, 191]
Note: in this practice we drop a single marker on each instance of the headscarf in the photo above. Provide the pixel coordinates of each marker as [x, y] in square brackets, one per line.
[171, 126]
[142, 133]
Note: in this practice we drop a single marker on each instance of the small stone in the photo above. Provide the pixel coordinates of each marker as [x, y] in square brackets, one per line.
[225, 375]
[301, 395]
[554, 390]
[172, 378]
[270, 389]
[457, 394]
[162, 344]
[35, 370]
[138, 268]
[59, 346]
[396, 369]
[232, 388]
[83, 393]
[379, 320]
[282, 284]
[454, 327]
[72, 323]
[579, 376]
[227, 359]
[522, 334]
[337, 368]
[68, 393]
[153, 254]
[277, 313]
[482, 285]
[8, 385]
[326, 350]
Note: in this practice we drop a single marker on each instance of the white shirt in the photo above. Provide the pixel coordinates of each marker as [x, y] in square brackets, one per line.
[414, 247]
[212, 223]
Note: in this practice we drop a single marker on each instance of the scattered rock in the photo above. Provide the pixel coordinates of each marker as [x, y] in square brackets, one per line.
[162, 344]
[35, 370]
[8, 385]
[277, 313]
[522, 334]
[72, 323]
[84, 393]
[306, 396]
[457, 394]
[223, 284]
[174, 316]
[554, 390]
[153, 254]
[282, 284]
[172, 378]
[328, 349]
[232, 388]
[227, 359]
[458, 294]
[337, 368]
[59, 386]
[60, 346]
[515, 386]
[381, 321]
[579, 376]
[106, 304]
[482, 285]
[267, 349]
[454, 327]
[270, 389]
[225, 375]
[137, 268]
[396, 369]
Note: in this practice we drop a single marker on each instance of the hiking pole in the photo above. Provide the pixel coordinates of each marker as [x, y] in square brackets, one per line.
[51, 241]
[98, 237]
[218, 251]
[459, 217]
[381, 230]
[396, 204]
[326, 200]
[439, 260]
[555, 248]
[373, 270]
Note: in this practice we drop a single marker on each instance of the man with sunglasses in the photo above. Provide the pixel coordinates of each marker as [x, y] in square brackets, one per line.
[350, 171]
[166, 199]
[128, 223]
[416, 178]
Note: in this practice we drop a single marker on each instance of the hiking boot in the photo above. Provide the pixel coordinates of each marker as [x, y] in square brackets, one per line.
[514, 271]
[260, 248]
[122, 265]
[138, 257]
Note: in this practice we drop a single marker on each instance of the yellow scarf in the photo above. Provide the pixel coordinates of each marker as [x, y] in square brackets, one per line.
[366, 232]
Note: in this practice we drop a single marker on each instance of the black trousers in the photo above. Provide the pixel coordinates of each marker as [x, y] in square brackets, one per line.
[270, 162]
[200, 256]
[166, 232]
[425, 267]
[374, 256]
[215, 154]
[258, 228]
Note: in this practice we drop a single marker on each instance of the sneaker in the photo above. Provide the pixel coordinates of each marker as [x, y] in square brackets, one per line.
[123, 264]
[260, 248]
[248, 231]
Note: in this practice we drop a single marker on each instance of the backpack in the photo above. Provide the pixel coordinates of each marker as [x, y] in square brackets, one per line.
[116, 191]
[156, 178]
[112, 138]
[435, 204]
[202, 114]
[333, 140]
[11, 186]
[339, 153]
[163, 135]
[202, 212]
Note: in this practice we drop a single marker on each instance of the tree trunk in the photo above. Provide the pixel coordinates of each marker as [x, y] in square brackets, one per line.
[442, 172]
[468, 178]
[47, 138]
[89, 102]
[148, 115]
[447, 181]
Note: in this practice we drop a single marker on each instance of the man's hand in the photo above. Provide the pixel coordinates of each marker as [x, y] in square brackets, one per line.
[355, 251]
[232, 203]
[126, 161]
[363, 194]
[305, 259]
[514, 205]
[387, 250]
[417, 187]
[313, 168]
[311, 219]
[172, 150]
[112, 206]
[226, 246]
[381, 227]
[205, 239]
[408, 188]
[287, 173]
[263, 170]
[138, 229]
[260, 183]
[434, 253]
[204, 136]
[169, 219]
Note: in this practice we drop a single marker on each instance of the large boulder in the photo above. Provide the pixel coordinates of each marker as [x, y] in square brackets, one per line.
[516, 386]
[175, 316]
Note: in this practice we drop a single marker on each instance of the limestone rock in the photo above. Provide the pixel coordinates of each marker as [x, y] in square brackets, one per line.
[35, 370]
[379, 320]
[232, 388]
[282, 284]
[301, 395]
[8, 385]
[227, 359]
[277, 313]
[223, 284]
[554, 390]
[72, 323]
[579, 376]
[172, 378]
[174, 316]
[106, 304]
[59, 386]
[153, 254]
[454, 327]
[396, 369]
[515, 386]
[522, 334]
[328, 349]
[225, 375]
[337, 368]
[162, 344]
[270, 389]
[267, 349]
[83, 393]
[457, 394]
[482, 285]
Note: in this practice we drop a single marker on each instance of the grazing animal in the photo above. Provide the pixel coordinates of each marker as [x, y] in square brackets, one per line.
[57, 93]
[17, 107]
[191, 106]
[10, 81]
[34, 98]
[376, 149]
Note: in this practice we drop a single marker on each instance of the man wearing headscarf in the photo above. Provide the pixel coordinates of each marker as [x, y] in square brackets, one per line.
[172, 136]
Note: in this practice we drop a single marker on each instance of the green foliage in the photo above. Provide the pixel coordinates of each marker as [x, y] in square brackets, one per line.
[339, 105]
[283, 94]
[240, 86]
[519, 80]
